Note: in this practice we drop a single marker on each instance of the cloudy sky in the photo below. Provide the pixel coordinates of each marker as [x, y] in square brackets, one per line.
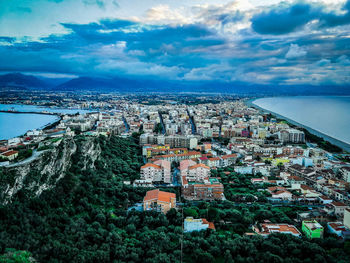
[250, 41]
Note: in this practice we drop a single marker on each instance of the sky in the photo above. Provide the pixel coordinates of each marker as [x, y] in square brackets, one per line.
[274, 42]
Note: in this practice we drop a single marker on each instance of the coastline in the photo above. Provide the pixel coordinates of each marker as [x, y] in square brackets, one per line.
[45, 126]
[332, 140]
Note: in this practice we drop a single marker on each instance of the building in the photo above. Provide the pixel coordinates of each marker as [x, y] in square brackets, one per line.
[312, 229]
[191, 224]
[198, 172]
[279, 192]
[346, 219]
[336, 208]
[338, 229]
[159, 201]
[210, 189]
[345, 173]
[269, 228]
[292, 136]
[158, 171]
[9, 155]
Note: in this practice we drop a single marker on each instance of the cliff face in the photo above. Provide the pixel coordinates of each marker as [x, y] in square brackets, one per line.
[49, 166]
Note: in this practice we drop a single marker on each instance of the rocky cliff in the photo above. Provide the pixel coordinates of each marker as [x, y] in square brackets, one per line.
[48, 167]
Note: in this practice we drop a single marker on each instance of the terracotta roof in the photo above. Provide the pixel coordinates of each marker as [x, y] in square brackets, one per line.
[163, 163]
[159, 196]
[9, 153]
[338, 204]
[198, 165]
[211, 224]
[229, 156]
[296, 178]
[150, 165]
[281, 228]
[306, 187]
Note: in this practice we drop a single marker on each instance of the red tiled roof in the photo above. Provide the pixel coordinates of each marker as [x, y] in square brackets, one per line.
[159, 195]
[150, 165]
[9, 153]
[338, 204]
[198, 165]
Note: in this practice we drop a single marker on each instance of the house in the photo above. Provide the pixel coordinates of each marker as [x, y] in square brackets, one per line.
[345, 172]
[338, 208]
[315, 214]
[191, 224]
[325, 199]
[184, 165]
[346, 220]
[209, 189]
[278, 192]
[312, 229]
[268, 228]
[257, 181]
[159, 201]
[9, 155]
[338, 229]
[228, 159]
[214, 162]
[295, 180]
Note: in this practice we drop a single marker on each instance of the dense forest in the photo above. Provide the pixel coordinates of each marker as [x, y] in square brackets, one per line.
[87, 218]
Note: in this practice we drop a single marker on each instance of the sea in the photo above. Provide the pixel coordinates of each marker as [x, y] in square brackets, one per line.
[327, 115]
[16, 124]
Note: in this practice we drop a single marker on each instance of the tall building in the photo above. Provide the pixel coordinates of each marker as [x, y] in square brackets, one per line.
[159, 171]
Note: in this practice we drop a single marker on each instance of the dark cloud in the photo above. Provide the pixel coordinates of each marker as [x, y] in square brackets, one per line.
[331, 19]
[287, 18]
[284, 19]
[112, 47]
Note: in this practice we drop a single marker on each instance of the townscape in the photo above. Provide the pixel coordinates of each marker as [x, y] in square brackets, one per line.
[222, 151]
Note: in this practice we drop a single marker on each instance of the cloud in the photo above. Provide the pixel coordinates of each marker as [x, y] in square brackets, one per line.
[289, 17]
[208, 42]
[295, 51]
[99, 3]
[284, 18]
[332, 19]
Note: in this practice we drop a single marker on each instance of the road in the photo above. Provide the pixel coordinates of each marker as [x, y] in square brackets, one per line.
[176, 177]
[28, 160]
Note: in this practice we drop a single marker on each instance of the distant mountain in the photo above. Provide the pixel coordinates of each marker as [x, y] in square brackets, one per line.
[120, 84]
[116, 84]
[85, 84]
[18, 81]
[21, 81]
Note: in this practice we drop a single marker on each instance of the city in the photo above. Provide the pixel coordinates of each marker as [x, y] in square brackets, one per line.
[161, 131]
[189, 153]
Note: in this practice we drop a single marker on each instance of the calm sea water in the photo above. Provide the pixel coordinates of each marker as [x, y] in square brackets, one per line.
[15, 124]
[328, 115]
[33, 108]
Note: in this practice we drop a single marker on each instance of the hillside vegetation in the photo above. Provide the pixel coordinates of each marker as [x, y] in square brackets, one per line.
[85, 218]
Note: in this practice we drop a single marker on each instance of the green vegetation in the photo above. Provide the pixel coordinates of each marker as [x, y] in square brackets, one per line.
[158, 128]
[325, 145]
[24, 154]
[86, 219]
[13, 256]
[238, 187]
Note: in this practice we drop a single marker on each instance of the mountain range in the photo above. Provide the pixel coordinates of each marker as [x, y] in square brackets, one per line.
[19, 81]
